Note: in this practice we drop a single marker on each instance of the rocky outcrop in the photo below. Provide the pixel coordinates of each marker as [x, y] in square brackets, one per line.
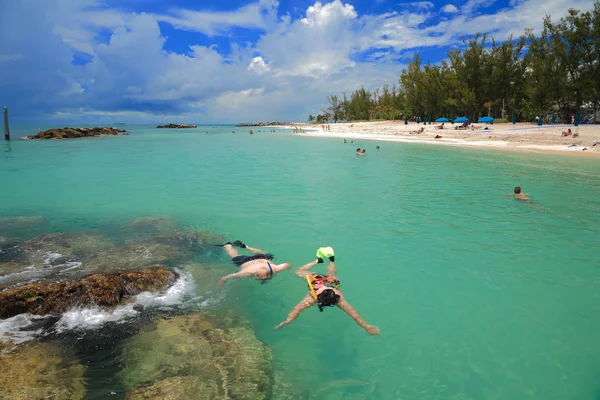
[71, 133]
[149, 225]
[214, 362]
[177, 126]
[40, 371]
[274, 123]
[105, 290]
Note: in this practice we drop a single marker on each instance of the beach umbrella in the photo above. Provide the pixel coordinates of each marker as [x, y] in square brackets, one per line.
[577, 119]
[514, 119]
[442, 119]
[406, 120]
[540, 121]
[553, 119]
[461, 119]
[486, 120]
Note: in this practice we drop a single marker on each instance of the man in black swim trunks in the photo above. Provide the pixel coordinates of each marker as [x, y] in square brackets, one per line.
[260, 265]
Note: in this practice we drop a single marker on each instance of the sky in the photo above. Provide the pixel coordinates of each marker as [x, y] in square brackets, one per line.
[227, 61]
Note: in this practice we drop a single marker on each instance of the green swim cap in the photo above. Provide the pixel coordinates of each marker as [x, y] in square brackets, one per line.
[325, 252]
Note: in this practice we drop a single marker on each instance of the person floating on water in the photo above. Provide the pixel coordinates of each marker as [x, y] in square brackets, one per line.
[260, 265]
[518, 195]
[323, 290]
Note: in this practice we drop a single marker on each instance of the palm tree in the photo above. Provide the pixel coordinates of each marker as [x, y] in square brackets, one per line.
[311, 118]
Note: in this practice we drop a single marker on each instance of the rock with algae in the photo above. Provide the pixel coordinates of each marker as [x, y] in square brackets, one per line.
[40, 371]
[150, 225]
[105, 290]
[225, 362]
[22, 227]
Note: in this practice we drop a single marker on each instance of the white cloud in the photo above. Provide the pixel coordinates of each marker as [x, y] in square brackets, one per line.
[450, 9]
[321, 15]
[258, 65]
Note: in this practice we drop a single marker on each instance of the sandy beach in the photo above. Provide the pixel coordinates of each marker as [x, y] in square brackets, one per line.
[518, 137]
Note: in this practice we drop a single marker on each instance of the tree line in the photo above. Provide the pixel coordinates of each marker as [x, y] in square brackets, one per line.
[554, 73]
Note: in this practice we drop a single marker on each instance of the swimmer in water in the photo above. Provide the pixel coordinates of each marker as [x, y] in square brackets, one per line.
[260, 265]
[518, 195]
[358, 152]
[324, 292]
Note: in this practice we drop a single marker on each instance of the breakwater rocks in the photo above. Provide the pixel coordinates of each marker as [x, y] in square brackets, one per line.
[176, 126]
[104, 290]
[266, 124]
[72, 133]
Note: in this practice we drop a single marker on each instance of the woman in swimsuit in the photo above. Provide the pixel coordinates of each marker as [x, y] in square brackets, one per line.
[324, 291]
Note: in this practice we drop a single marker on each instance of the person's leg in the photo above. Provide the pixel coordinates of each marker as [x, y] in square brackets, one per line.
[231, 252]
[331, 270]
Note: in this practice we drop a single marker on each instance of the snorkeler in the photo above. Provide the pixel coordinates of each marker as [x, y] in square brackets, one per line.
[518, 195]
[260, 265]
[324, 291]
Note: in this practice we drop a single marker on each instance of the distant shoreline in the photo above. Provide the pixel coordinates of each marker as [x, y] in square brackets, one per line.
[523, 137]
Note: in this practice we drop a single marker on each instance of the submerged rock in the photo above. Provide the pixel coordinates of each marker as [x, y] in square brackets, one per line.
[57, 248]
[22, 227]
[226, 362]
[71, 133]
[151, 225]
[175, 388]
[40, 371]
[105, 290]
[159, 249]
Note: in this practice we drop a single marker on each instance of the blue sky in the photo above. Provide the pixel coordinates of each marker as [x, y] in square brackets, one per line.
[103, 61]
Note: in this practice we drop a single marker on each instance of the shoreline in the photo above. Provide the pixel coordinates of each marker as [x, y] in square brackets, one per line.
[522, 137]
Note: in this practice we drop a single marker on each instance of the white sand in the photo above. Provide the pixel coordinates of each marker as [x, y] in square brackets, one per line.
[522, 136]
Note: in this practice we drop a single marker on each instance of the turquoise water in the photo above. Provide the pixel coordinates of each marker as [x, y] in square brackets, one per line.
[477, 296]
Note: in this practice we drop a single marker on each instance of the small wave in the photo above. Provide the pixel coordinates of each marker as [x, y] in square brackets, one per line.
[92, 318]
[20, 328]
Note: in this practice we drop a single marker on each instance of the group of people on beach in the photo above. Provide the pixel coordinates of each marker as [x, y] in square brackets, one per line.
[323, 290]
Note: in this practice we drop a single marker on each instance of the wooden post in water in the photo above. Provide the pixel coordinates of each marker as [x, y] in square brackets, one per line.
[6, 131]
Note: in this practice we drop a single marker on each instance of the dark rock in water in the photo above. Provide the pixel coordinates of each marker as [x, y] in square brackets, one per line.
[225, 362]
[176, 126]
[272, 123]
[9, 250]
[105, 290]
[71, 133]
[40, 371]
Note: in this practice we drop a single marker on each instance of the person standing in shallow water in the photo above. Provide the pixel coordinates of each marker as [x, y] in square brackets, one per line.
[518, 195]
[260, 265]
[324, 292]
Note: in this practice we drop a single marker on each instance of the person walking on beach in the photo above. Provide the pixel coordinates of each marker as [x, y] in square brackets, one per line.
[323, 290]
[518, 195]
[260, 265]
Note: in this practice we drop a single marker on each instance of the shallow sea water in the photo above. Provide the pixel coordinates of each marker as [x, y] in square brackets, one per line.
[477, 296]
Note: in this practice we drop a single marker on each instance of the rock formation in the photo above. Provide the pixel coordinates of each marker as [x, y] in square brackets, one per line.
[193, 354]
[71, 133]
[176, 126]
[105, 290]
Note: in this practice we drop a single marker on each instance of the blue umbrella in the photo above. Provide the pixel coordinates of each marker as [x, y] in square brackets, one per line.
[577, 119]
[442, 119]
[486, 120]
[406, 120]
[553, 119]
[514, 119]
[461, 119]
[540, 121]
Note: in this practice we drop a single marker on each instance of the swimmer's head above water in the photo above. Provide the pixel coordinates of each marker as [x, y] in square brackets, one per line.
[518, 190]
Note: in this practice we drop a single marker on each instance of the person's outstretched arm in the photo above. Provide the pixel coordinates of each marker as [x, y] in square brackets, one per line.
[344, 305]
[308, 301]
[303, 270]
[233, 276]
[281, 267]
